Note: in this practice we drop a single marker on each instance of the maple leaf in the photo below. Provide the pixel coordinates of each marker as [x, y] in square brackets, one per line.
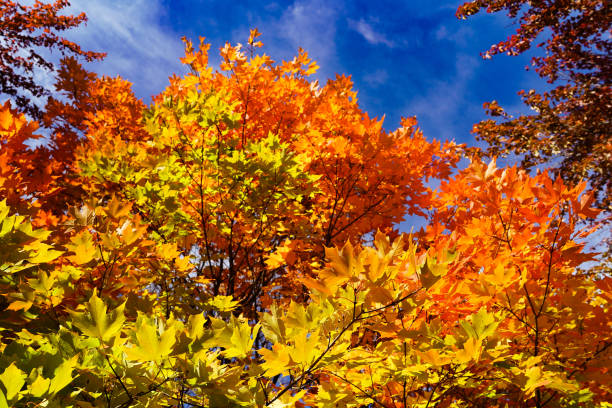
[13, 379]
[96, 322]
[152, 341]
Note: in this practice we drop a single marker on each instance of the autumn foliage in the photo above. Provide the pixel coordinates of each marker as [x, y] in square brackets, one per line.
[26, 31]
[570, 123]
[236, 243]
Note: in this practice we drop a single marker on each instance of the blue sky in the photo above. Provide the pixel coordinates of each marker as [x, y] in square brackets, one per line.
[405, 58]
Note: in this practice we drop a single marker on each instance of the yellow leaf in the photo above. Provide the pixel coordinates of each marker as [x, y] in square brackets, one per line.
[223, 303]
[44, 282]
[40, 386]
[433, 357]
[44, 253]
[3, 403]
[304, 348]
[502, 276]
[62, 375]
[83, 247]
[151, 346]
[471, 351]
[130, 233]
[319, 286]
[276, 361]
[117, 209]
[19, 305]
[167, 251]
[490, 169]
[379, 295]
[242, 338]
[195, 326]
[13, 379]
[535, 379]
[97, 323]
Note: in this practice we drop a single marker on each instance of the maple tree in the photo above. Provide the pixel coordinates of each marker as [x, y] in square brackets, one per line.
[235, 243]
[26, 32]
[258, 171]
[571, 121]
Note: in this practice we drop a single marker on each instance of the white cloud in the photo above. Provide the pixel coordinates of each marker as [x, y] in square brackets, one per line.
[460, 36]
[310, 25]
[137, 47]
[369, 34]
[445, 102]
[377, 77]
[441, 33]
[143, 51]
